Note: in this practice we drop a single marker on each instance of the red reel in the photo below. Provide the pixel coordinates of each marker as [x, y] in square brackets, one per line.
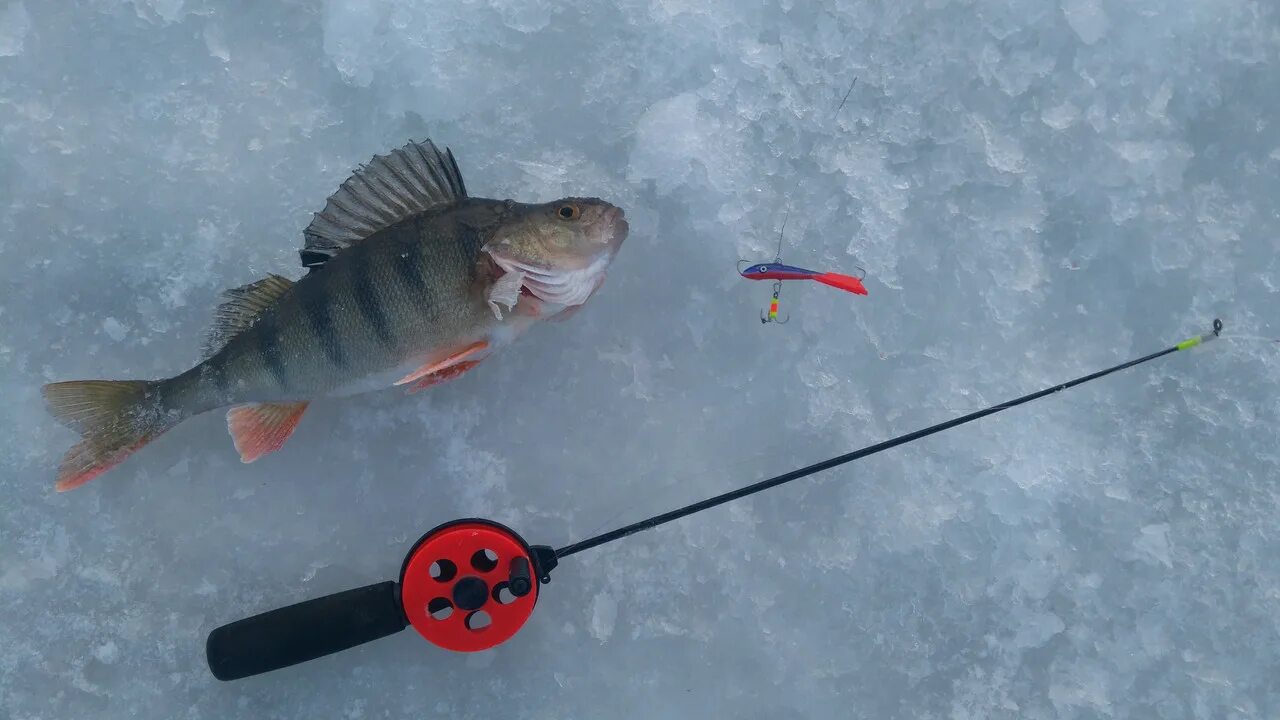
[468, 585]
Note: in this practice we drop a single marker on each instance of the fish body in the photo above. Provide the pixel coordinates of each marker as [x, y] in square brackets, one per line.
[410, 282]
[390, 300]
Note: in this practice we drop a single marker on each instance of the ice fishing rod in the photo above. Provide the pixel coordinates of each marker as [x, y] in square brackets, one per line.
[471, 584]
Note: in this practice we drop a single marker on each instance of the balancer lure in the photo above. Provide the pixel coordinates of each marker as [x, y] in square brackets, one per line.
[777, 272]
[469, 585]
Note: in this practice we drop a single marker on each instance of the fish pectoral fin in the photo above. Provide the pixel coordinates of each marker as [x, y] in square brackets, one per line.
[474, 351]
[444, 375]
[506, 291]
[261, 428]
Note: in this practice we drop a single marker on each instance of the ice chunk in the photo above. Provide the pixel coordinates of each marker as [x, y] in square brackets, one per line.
[604, 614]
[15, 23]
[1153, 544]
[1087, 18]
[114, 329]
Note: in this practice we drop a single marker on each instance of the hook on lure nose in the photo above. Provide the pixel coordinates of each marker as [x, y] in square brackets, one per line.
[754, 270]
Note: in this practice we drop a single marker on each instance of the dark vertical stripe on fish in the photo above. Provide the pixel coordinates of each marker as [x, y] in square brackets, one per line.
[268, 346]
[409, 266]
[367, 299]
[220, 379]
[315, 305]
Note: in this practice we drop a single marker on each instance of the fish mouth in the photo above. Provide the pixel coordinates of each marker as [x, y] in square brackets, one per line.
[616, 227]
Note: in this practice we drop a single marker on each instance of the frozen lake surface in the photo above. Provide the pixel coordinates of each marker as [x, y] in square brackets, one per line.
[1036, 188]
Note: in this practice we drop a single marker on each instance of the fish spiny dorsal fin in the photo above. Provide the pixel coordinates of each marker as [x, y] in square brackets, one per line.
[392, 187]
[243, 307]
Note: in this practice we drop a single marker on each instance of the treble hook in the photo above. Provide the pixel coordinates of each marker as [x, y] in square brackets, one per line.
[772, 316]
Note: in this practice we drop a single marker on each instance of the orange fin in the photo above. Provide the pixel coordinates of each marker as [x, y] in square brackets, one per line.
[433, 367]
[114, 418]
[440, 376]
[261, 428]
[87, 461]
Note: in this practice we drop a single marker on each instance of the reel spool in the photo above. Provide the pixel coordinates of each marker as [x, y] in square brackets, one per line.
[465, 586]
[468, 585]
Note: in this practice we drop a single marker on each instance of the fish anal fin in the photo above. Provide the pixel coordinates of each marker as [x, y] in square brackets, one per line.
[258, 429]
[444, 375]
[469, 352]
[242, 308]
[405, 182]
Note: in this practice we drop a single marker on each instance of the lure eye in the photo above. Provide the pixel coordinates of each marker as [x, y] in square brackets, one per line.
[568, 212]
[761, 269]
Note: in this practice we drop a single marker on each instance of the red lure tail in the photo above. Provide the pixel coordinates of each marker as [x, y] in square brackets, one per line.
[847, 283]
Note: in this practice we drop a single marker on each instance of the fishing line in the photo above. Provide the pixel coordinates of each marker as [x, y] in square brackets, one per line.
[778, 272]
[804, 472]
[1254, 338]
[846, 95]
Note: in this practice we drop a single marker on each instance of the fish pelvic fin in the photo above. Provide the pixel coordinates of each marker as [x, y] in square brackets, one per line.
[114, 418]
[440, 376]
[259, 429]
[475, 352]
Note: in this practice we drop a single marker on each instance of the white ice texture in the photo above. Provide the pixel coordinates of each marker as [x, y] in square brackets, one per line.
[1036, 188]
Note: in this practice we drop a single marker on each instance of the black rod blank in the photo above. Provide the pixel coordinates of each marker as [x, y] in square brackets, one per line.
[763, 485]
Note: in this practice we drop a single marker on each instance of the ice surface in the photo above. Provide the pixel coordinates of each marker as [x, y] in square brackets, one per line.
[1037, 188]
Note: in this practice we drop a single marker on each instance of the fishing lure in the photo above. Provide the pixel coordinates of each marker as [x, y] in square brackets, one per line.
[777, 272]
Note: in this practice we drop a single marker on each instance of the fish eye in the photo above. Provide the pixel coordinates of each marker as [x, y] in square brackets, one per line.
[568, 212]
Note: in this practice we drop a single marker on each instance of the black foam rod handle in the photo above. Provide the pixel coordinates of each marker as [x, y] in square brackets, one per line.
[306, 631]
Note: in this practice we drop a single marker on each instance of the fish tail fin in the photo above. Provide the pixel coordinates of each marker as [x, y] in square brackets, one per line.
[114, 419]
[844, 282]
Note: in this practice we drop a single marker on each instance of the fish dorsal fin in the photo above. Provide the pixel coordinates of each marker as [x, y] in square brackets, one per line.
[243, 307]
[392, 187]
